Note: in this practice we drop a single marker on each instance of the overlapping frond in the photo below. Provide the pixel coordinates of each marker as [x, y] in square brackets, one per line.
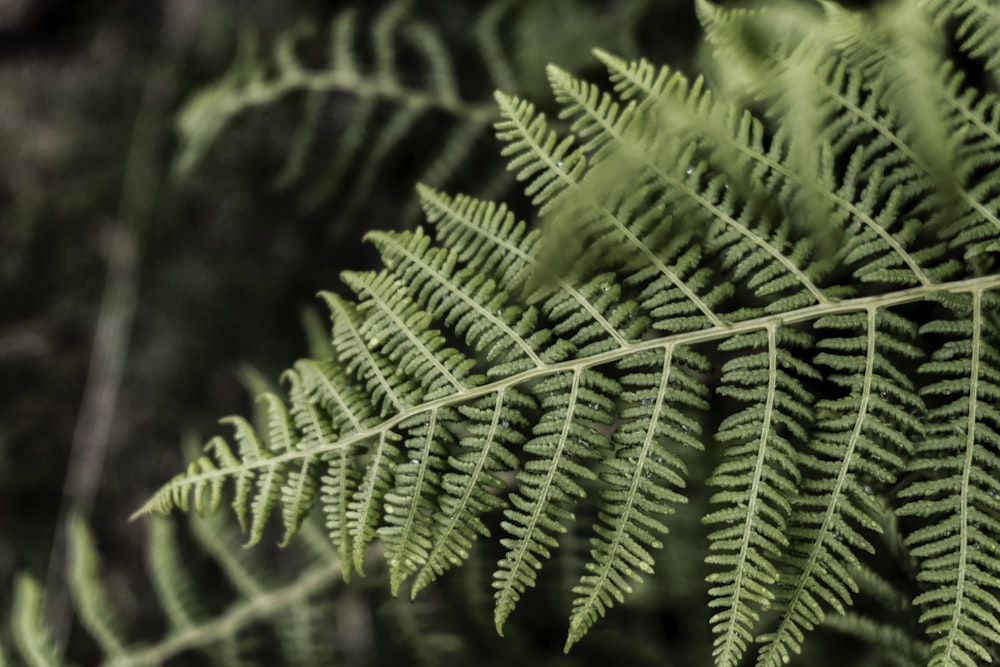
[661, 146]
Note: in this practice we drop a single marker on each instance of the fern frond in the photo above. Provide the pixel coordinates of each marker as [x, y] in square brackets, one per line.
[176, 591]
[481, 315]
[387, 83]
[471, 227]
[978, 117]
[861, 442]
[409, 507]
[596, 116]
[471, 485]
[957, 490]
[487, 32]
[668, 162]
[314, 425]
[364, 509]
[193, 622]
[485, 235]
[173, 585]
[288, 607]
[871, 104]
[535, 152]
[903, 53]
[737, 140]
[259, 488]
[758, 477]
[363, 95]
[316, 393]
[297, 487]
[641, 479]
[565, 439]
[609, 218]
[398, 329]
[362, 360]
[560, 381]
[978, 29]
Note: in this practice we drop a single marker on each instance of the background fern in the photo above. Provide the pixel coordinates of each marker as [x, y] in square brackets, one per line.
[387, 96]
[283, 622]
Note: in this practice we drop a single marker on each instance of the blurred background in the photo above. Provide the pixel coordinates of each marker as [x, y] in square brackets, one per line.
[178, 179]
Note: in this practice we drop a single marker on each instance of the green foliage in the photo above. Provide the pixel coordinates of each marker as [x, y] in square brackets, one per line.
[474, 361]
[783, 291]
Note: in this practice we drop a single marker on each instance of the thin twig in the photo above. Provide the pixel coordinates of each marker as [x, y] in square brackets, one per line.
[96, 419]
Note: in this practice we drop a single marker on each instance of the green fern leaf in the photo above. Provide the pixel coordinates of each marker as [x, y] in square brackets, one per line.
[398, 329]
[978, 30]
[472, 483]
[468, 226]
[596, 116]
[193, 622]
[481, 316]
[958, 490]
[260, 488]
[364, 509]
[548, 484]
[537, 155]
[862, 440]
[316, 395]
[758, 478]
[299, 489]
[409, 505]
[641, 477]
[176, 591]
[382, 104]
[564, 380]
